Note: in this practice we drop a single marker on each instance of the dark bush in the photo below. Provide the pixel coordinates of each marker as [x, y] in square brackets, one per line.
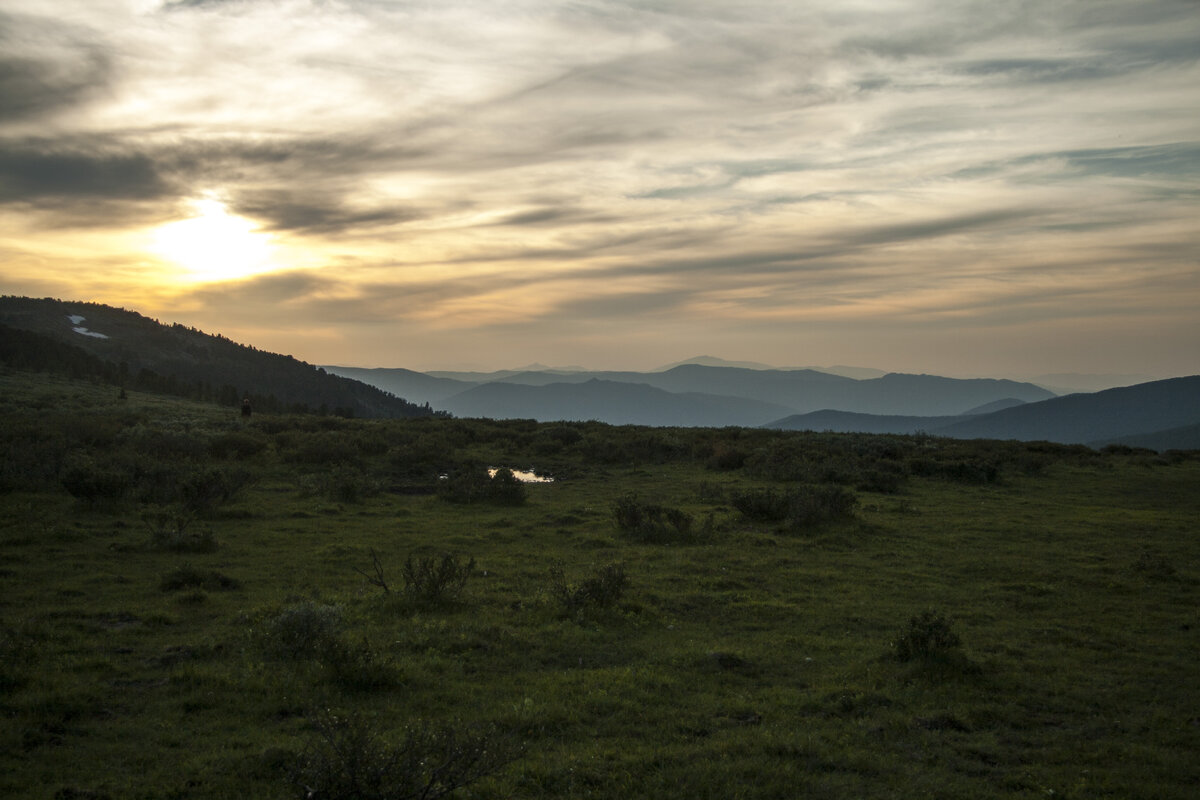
[725, 458]
[188, 577]
[648, 522]
[358, 667]
[879, 480]
[237, 444]
[203, 490]
[348, 759]
[434, 581]
[95, 483]
[927, 636]
[814, 505]
[472, 484]
[761, 505]
[600, 591]
[307, 630]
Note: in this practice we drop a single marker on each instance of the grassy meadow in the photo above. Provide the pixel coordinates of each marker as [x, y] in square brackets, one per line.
[200, 606]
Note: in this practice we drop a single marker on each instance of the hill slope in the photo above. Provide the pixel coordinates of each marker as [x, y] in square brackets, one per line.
[136, 351]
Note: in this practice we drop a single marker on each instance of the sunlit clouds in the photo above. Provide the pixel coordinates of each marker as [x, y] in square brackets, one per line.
[965, 188]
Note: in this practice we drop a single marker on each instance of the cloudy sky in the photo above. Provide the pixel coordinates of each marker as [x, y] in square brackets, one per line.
[999, 187]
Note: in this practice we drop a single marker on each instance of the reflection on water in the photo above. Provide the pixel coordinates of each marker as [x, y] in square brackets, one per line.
[522, 476]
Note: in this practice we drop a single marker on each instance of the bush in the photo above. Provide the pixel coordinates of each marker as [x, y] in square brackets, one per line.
[648, 522]
[357, 667]
[94, 483]
[201, 491]
[803, 507]
[473, 485]
[188, 577]
[349, 759]
[303, 631]
[761, 505]
[814, 505]
[237, 444]
[927, 636]
[434, 581]
[600, 591]
[170, 529]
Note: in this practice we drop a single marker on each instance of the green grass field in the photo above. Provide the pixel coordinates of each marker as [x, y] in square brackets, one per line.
[193, 606]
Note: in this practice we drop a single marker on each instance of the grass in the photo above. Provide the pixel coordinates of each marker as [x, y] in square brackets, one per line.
[756, 661]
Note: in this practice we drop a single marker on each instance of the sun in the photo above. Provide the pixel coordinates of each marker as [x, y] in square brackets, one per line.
[214, 245]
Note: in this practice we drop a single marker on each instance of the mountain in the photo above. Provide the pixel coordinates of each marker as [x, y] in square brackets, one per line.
[1076, 382]
[858, 373]
[712, 361]
[608, 401]
[1159, 414]
[416, 387]
[1087, 418]
[995, 405]
[136, 352]
[801, 390]
[852, 422]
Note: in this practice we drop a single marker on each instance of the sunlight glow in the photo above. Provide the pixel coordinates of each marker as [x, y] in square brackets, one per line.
[214, 245]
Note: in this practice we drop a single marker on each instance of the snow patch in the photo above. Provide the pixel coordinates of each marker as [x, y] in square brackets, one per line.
[75, 320]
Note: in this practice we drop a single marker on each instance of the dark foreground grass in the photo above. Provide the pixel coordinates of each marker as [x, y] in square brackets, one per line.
[748, 659]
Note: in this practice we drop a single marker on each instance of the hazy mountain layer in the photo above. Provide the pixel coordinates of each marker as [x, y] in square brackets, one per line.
[607, 401]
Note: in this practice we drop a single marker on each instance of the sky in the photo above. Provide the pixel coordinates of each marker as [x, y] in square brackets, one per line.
[1002, 188]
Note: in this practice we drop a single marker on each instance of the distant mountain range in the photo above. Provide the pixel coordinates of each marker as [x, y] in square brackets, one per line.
[127, 349]
[1156, 414]
[691, 394]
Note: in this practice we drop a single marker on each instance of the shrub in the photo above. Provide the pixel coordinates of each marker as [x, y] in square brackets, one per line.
[202, 490]
[927, 636]
[814, 505]
[303, 631]
[434, 581]
[169, 528]
[357, 667]
[94, 483]
[648, 522]
[603, 590]
[237, 444]
[762, 505]
[473, 485]
[348, 759]
[188, 577]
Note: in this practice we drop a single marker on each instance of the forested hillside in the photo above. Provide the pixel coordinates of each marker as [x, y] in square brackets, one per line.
[131, 351]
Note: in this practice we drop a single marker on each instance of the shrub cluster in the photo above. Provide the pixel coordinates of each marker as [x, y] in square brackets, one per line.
[349, 759]
[649, 522]
[926, 636]
[473, 485]
[603, 590]
[435, 581]
[802, 507]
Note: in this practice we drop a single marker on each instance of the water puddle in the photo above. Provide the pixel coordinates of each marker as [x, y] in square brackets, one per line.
[523, 476]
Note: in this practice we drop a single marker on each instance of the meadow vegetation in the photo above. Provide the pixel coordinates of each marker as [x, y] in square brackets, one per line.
[195, 605]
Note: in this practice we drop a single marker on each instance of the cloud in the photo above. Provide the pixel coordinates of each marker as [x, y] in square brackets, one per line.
[723, 167]
[33, 174]
[47, 67]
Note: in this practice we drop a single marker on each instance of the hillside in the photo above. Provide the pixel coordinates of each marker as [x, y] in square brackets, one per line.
[128, 349]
